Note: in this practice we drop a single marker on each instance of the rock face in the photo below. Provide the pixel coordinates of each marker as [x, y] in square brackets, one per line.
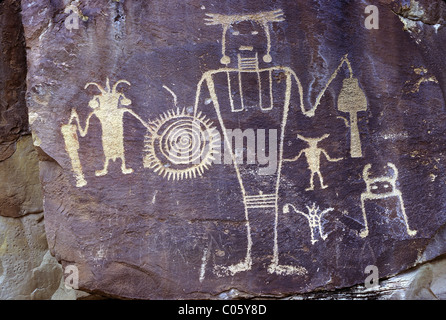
[20, 190]
[191, 148]
[27, 270]
[25, 274]
[12, 84]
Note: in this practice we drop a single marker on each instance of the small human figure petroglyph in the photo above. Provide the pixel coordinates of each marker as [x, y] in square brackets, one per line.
[314, 218]
[313, 154]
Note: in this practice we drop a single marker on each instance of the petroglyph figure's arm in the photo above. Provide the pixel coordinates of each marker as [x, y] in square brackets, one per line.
[137, 117]
[297, 211]
[207, 77]
[295, 158]
[312, 110]
[325, 211]
[329, 158]
[75, 116]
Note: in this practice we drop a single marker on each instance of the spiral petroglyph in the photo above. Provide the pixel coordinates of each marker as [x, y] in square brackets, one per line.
[180, 145]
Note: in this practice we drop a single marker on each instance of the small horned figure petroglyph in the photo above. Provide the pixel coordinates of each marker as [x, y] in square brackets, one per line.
[380, 188]
[313, 155]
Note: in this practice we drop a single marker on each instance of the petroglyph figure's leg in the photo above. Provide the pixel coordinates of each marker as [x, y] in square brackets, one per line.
[312, 227]
[321, 180]
[311, 187]
[403, 211]
[281, 269]
[364, 232]
[104, 171]
[243, 265]
[275, 267]
[124, 169]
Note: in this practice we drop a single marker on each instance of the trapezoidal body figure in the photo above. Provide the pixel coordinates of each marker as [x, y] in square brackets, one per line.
[249, 92]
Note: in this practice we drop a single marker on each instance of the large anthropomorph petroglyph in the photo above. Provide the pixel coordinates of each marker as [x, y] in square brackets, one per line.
[250, 84]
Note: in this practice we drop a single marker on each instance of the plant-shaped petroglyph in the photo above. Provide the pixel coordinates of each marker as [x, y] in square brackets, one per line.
[314, 217]
[106, 107]
[382, 187]
[313, 155]
[351, 100]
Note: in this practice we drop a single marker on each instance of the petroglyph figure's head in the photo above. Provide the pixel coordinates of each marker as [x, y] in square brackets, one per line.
[381, 184]
[109, 98]
[244, 31]
[312, 142]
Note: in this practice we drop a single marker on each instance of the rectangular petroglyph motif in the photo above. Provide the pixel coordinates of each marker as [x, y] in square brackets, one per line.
[382, 187]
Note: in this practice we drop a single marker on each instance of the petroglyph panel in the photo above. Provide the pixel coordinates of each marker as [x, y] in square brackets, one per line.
[192, 147]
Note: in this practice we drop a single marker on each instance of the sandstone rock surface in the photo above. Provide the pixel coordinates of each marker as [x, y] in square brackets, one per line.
[20, 190]
[131, 100]
[14, 116]
[27, 270]
[25, 274]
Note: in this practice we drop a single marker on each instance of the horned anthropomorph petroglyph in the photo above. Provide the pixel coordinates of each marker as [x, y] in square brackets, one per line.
[313, 155]
[246, 85]
[106, 107]
[382, 187]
